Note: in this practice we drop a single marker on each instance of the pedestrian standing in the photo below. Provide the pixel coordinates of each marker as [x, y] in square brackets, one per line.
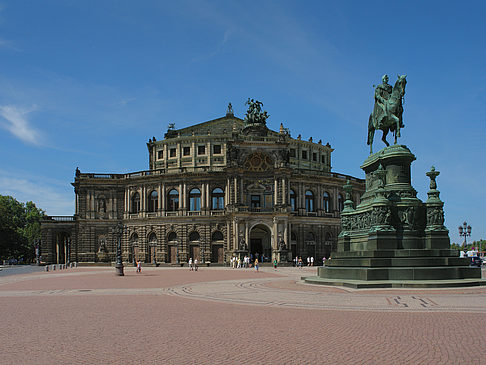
[308, 261]
[190, 264]
[275, 264]
[300, 262]
[256, 264]
[312, 260]
[139, 266]
[324, 261]
[195, 264]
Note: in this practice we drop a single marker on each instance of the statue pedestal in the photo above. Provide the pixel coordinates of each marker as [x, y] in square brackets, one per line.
[282, 256]
[393, 239]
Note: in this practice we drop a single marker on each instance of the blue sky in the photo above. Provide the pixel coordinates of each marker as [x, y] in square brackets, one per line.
[86, 83]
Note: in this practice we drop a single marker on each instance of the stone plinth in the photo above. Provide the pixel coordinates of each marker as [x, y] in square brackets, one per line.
[392, 238]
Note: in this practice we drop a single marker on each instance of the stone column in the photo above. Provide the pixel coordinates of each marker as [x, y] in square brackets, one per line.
[208, 197]
[247, 234]
[236, 189]
[180, 197]
[240, 193]
[236, 230]
[286, 234]
[185, 196]
[162, 197]
[335, 198]
[228, 236]
[143, 197]
[203, 197]
[275, 234]
[227, 195]
[275, 193]
[284, 192]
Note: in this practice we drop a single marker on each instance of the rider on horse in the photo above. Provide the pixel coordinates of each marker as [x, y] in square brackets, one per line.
[382, 94]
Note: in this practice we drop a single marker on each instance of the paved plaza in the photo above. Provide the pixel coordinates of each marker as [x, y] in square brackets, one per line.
[232, 316]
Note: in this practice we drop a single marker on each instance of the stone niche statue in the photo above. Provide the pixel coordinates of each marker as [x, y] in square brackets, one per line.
[388, 110]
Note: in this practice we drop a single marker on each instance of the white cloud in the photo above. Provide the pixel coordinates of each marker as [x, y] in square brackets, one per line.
[14, 119]
[54, 200]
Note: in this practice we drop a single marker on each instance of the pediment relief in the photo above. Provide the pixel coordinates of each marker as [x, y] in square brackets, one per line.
[258, 161]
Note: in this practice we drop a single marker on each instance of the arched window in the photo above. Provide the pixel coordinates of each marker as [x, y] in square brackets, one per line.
[172, 236]
[310, 237]
[309, 201]
[326, 202]
[194, 236]
[340, 202]
[293, 236]
[152, 239]
[134, 239]
[153, 201]
[292, 200]
[217, 236]
[136, 203]
[194, 200]
[173, 200]
[217, 197]
[328, 237]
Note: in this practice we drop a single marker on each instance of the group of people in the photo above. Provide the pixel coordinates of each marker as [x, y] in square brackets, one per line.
[247, 262]
[193, 265]
[298, 262]
[238, 262]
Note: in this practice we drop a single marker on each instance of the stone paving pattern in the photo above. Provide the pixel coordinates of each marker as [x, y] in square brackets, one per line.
[232, 316]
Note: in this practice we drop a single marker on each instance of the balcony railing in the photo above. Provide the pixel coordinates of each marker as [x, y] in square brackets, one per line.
[60, 218]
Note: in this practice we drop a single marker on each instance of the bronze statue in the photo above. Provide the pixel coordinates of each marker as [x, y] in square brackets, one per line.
[388, 110]
[254, 113]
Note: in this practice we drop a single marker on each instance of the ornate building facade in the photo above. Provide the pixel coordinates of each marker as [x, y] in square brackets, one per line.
[225, 187]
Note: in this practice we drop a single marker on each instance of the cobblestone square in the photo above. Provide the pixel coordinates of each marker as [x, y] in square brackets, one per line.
[230, 316]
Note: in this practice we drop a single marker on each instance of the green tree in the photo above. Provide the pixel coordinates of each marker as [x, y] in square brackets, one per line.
[19, 228]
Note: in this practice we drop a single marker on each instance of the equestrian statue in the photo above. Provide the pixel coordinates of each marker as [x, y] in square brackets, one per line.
[388, 110]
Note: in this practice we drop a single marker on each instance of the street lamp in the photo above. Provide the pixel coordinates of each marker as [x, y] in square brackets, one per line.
[37, 251]
[118, 231]
[464, 231]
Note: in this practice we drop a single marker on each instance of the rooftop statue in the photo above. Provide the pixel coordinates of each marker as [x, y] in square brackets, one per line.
[254, 113]
[388, 110]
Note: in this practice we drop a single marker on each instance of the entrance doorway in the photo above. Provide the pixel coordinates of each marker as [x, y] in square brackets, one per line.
[217, 254]
[195, 253]
[260, 243]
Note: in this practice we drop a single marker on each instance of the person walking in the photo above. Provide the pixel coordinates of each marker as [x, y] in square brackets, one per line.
[300, 262]
[312, 260]
[195, 264]
[275, 264]
[139, 266]
[190, 264]
[256, 264]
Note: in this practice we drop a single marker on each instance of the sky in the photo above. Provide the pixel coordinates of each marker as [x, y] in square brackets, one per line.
[86, 84]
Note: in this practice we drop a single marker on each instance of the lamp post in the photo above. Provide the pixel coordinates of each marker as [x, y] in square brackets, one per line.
[118, 231]
[37, 251]
[464, 231]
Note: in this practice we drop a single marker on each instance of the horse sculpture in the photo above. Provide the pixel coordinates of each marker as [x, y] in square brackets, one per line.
[391, 117]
